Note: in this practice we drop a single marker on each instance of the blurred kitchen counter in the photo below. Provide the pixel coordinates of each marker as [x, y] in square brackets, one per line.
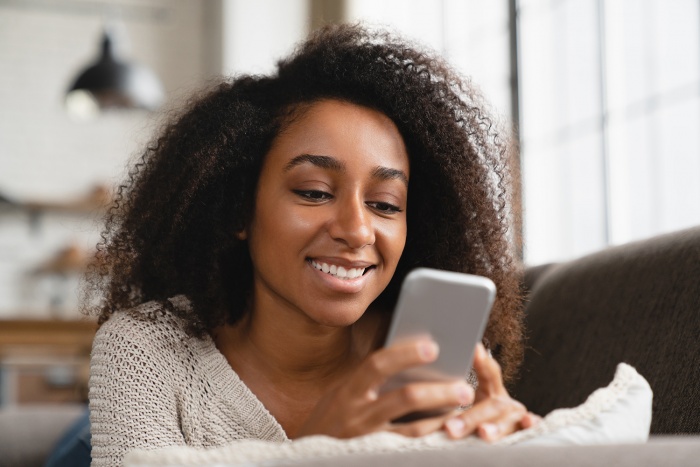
[44, 361]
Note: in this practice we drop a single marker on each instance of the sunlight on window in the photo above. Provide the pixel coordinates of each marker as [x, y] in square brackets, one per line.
[609, 101]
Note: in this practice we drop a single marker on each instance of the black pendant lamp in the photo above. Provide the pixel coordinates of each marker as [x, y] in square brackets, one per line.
[112, 83]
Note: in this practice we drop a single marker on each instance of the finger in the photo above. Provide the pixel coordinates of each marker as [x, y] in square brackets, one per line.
[488, 410]
[529, 420]
[504, 425]
[386, 362]
[489, 372]
[419, 428]
[420, 397]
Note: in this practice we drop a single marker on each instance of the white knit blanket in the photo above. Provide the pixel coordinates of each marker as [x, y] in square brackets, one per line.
[618, 413]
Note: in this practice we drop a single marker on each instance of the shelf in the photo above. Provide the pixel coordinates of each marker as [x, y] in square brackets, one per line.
[46, 332]
[44, 360]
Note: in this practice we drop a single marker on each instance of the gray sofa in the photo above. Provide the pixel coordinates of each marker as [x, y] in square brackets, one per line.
[638, 303]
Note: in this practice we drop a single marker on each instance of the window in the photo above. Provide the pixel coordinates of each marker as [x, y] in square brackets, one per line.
[609, 104]
[610, 99]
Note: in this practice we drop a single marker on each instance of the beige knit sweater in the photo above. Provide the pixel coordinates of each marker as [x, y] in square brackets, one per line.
[152, 386]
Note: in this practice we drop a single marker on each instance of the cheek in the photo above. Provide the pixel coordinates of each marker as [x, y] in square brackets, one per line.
[393, 242]
[263, 230]
[294, 228]
[282, 229]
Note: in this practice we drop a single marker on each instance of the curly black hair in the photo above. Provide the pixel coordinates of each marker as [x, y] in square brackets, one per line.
[172, 228]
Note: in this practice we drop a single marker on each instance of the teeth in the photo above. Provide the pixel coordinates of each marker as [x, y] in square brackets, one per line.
[338, 271]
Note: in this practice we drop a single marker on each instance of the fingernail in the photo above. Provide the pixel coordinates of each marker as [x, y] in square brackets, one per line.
[480, 351]
[489, 430]
[428, 350]
[455, 426]
[465, 393]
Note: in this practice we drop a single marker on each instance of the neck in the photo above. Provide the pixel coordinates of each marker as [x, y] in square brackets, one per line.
[293, 351]
[288, 348]
[289, 362]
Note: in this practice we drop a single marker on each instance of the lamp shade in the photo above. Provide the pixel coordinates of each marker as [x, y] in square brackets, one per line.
[111, 83]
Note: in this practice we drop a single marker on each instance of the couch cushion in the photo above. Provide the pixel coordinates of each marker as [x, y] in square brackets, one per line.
[637, 303]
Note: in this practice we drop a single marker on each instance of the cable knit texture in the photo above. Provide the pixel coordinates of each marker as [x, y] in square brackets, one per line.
[152, 386]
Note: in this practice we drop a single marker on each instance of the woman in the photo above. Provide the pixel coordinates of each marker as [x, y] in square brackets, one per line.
[251, 263]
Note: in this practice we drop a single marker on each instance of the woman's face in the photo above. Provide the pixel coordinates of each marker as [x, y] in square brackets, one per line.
[329, 224]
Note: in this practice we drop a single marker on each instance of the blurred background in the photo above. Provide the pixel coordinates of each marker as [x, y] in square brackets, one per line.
[604, 96]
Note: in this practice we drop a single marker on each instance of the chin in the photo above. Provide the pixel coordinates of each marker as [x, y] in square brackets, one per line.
[337, 322]
[341, 318]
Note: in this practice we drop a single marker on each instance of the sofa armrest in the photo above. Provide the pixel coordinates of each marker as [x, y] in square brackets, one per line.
[678, 451]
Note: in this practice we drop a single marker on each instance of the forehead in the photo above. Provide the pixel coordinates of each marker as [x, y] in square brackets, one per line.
[342, 130]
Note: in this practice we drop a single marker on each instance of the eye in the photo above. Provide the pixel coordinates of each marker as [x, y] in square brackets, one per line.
[315, 196]
[385, 208]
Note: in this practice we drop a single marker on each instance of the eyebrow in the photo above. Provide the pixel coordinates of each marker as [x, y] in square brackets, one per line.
[324, 162]
[385, 173]
[331, 163]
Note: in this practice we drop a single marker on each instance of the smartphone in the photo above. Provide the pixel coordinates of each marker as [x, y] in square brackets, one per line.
[452, 309]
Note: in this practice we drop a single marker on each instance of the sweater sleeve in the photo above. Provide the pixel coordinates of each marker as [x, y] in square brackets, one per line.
[133, 393]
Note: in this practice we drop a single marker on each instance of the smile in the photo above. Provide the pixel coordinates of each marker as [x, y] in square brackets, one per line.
[338, 271]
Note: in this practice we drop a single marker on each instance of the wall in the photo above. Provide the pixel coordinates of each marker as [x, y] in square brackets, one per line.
[471, 34]
[45, 156]
[260, 32]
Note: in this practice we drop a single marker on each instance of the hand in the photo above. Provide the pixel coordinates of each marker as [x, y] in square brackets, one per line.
[494, 413]
[356, 408]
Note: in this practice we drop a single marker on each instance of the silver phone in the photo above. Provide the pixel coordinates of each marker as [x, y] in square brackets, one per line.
[451, 308]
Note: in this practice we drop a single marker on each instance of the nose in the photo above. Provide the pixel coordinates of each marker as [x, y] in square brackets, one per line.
[352, 224]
